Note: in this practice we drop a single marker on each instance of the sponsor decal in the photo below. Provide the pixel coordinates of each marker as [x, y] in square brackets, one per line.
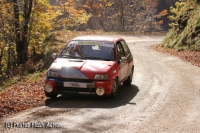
[90, 43]
[75, 84]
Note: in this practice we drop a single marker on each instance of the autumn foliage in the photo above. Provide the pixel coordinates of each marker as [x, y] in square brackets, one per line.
[21, 96]
[184, 32]
[24, 25]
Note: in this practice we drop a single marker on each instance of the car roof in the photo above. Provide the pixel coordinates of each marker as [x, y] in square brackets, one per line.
[97, 38]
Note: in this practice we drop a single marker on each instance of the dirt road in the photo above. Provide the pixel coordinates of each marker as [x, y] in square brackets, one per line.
[164, 97]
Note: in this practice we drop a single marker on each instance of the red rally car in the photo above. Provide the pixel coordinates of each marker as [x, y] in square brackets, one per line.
[90, 65]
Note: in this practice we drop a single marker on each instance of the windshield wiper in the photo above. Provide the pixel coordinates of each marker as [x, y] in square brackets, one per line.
[93, 57]
[71, 56]
[86, 57]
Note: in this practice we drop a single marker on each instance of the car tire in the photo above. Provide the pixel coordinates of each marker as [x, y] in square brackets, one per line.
[129, 79]
[51, 95]
[114, 88]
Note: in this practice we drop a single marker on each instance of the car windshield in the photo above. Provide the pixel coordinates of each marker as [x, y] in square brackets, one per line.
[89, 50]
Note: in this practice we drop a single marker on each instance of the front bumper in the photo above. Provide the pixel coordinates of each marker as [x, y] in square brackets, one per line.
[80, 86]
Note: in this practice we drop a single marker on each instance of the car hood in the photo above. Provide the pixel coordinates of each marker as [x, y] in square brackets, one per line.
[81, 69]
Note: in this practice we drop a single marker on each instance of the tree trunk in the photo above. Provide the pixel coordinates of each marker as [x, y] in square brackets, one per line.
[25, 41]
[22, 31]
[17, 32]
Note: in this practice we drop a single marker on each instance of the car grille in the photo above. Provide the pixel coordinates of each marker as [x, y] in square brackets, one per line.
[77, 90]
[76, 80]
[89, 90]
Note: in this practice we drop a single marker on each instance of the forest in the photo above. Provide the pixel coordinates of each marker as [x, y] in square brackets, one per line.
[25, 25]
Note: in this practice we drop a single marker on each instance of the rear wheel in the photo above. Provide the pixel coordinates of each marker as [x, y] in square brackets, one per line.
[129, 80]
[51, 95]
[114, 89]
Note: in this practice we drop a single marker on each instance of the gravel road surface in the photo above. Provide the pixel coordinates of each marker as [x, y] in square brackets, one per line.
[164, 97]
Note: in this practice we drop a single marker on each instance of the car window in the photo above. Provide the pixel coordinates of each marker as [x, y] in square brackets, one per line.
[120, 50]
[89, 50]
[125, 46]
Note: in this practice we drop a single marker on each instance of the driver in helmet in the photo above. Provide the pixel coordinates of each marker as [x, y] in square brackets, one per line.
[75, 51]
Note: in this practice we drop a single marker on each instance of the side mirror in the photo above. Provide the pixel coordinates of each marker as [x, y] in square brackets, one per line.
[123, 60]
[54, 55]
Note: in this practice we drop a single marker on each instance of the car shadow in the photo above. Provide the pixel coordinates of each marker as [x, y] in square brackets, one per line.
[124, 96]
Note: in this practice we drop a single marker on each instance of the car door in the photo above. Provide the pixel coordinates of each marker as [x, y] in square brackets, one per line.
[128, 56]
[122, 65]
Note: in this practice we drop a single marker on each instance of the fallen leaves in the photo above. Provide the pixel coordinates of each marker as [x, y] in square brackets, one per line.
[189, 56]
[19, 97]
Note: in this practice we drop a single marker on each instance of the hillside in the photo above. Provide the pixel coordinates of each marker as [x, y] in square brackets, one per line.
[185, 35]
[139, 16]
[183, 39]
[124, 15]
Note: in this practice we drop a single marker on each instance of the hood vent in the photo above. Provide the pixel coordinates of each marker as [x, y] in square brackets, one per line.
[74, 60]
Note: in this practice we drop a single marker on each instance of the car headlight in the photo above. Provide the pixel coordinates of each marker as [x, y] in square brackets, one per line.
[101, 77]
[52, 73]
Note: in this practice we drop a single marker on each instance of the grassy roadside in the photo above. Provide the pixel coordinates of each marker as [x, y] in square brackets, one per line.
[23, 94]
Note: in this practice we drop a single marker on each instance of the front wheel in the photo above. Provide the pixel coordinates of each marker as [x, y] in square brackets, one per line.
[114, 88]
[51, 95]
[129, 79]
